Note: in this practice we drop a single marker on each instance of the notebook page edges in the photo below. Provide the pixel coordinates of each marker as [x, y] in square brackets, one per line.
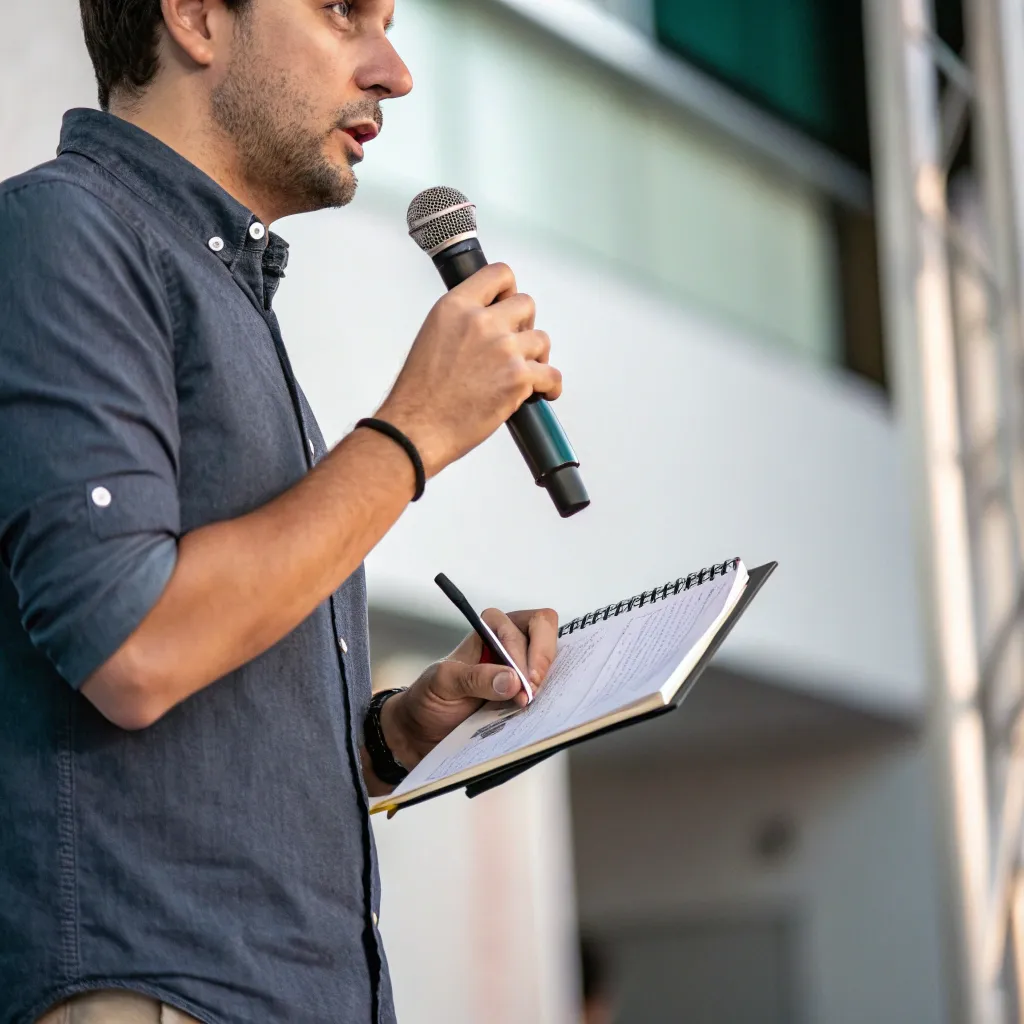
[610, 667]
[696, 652]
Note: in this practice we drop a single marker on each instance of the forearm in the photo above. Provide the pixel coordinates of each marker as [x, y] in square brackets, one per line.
[240, 586]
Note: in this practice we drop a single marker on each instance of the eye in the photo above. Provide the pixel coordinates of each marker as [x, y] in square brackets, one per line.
[343, 10]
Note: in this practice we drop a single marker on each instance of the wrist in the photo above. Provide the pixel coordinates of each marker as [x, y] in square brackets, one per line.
[394, 724]
[419, 433]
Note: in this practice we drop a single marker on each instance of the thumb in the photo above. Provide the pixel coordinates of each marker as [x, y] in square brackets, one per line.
[485, 682]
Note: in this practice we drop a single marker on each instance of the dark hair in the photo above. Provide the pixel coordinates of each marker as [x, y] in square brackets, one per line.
[122, 37]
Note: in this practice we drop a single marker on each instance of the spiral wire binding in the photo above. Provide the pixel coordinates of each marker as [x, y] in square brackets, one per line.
[610, 611]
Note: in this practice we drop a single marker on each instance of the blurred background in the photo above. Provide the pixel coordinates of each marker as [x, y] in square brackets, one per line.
[777, 244]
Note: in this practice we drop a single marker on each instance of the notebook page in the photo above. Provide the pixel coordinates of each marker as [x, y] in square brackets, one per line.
[598, 670]
[655, 641]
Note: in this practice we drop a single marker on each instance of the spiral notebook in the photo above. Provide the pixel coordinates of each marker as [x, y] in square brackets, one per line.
[617, 665]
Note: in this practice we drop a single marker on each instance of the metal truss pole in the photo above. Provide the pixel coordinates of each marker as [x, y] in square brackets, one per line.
[910, 185]
[954, 282]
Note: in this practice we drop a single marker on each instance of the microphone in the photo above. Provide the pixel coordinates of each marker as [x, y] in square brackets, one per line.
[442, 222]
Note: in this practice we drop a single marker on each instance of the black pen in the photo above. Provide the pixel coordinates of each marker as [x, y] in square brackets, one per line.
[486, 634]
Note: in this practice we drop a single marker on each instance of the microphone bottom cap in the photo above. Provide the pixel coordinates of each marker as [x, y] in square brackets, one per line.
[565, 485]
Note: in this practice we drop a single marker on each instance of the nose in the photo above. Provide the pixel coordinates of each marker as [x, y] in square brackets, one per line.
[385, 73]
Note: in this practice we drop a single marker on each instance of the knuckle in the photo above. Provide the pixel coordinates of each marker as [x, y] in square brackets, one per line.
[477, 323]
[548, 616]
[472, 683]
[453, 300]
[494, 617]
[522, 378]
[504, 271]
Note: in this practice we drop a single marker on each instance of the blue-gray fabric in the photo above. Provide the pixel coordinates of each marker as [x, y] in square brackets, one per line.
[222, 860]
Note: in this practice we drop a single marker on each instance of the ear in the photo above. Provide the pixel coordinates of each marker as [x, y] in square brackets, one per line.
[201, 29]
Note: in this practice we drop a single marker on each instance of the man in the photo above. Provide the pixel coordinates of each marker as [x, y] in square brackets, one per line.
[184, 672]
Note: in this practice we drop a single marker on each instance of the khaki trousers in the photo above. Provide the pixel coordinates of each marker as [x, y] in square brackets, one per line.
[113, 1007]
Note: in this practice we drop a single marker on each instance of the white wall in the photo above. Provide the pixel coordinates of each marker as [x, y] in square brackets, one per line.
[862, 880]
[44, 70]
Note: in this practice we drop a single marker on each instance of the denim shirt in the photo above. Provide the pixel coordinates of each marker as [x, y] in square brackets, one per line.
[222, 860]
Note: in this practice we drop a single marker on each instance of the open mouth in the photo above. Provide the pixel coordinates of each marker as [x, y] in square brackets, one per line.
[362, 133]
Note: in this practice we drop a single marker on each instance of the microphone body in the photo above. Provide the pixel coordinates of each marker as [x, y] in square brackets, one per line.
[534, 426]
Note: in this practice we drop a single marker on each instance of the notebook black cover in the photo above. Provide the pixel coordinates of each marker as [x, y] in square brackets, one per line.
[756, 580]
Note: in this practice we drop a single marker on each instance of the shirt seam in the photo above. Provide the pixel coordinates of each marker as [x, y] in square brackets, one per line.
[172, 291]
[376, 962]
[126, 184]
[142, 229]
[137, 226]
[67, 846]
[193, 232]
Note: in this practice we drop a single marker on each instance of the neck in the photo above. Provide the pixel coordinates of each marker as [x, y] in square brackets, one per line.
[200, 141]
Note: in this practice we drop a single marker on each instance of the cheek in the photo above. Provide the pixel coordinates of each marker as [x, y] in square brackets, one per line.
[310, 60]
[320, 60]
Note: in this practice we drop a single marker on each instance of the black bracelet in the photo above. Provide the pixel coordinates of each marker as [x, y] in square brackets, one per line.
[386, 766]
[385, 428]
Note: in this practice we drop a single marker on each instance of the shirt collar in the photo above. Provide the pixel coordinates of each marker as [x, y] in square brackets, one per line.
[169, 182]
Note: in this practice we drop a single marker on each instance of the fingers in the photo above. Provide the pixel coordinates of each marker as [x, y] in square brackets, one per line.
[547, 381]
[492, 283]
[511, 636]
[515, 314]
[505, 308]
[535, 345]
[531, 639]
[457, 681]
[539, 376]
[541, 629]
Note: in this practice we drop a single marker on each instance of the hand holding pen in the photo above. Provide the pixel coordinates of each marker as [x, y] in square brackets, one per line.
[538, 658]
[524, 645]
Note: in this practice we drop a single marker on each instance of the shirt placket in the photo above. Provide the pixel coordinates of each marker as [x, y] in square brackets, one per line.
[338, 625]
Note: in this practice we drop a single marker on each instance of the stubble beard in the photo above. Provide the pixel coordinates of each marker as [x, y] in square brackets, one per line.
[279, 154]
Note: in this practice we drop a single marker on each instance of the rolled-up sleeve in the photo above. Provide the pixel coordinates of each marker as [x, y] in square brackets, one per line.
[89, 442]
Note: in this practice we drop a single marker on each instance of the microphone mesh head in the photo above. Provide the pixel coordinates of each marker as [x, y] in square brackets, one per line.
[440, 216]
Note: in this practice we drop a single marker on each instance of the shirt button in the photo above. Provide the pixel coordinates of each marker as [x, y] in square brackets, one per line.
[373, 917]
[216, 243]
[342, 645]
[101, 497]
[312, 448]
[257, 231]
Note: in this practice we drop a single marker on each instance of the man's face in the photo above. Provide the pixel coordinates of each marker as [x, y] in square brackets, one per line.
[301, 96]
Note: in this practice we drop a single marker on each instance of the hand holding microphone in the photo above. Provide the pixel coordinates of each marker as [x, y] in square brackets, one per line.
[478, 361]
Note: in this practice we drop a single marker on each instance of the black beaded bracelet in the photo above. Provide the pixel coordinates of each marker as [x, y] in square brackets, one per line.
[386, 766]
[385, 428]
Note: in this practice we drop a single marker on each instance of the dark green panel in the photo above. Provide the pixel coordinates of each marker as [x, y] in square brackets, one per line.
[802, 59]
